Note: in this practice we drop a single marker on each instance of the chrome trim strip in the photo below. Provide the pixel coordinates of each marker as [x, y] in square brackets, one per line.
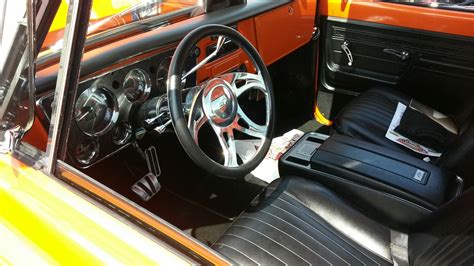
[69, 168]
[60, 91]
[3, 10]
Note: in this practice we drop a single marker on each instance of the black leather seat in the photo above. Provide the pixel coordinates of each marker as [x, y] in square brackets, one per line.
[368, 117]
[298, 222]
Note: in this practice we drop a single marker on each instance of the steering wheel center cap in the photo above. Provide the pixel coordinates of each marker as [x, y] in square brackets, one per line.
[219, 102]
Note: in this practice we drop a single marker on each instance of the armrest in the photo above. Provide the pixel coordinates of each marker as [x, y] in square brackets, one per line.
[390, 185]
[383, 169]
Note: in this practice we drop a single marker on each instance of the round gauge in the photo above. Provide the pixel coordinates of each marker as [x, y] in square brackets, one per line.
[137, 85]
[162, 75]
[96, 111]
[87, 151]
[122, 133]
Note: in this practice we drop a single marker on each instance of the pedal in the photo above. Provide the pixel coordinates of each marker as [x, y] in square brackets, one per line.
[151, 157]
[148, 186]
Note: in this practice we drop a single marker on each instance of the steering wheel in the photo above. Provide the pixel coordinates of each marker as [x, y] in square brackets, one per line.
[216, 102]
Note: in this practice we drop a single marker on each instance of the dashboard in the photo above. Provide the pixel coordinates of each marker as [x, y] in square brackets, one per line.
[123, 83]
[114, 109]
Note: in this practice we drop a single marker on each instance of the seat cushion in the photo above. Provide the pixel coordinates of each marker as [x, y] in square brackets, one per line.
[298, 221]
[368, 117]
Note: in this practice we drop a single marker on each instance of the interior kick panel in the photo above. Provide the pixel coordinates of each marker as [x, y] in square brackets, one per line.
[426, 65]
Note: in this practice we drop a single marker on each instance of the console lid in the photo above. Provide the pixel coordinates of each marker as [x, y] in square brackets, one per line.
[383, 169]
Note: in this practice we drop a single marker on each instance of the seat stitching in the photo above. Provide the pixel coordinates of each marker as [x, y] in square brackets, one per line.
[248, 240]
[258, 220]
[316, 239]
[337, 232]
[237, 251]
[248, 228]
[349, 252]
[329, 228]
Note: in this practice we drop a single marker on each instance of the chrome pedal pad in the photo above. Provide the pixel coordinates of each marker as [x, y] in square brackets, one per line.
[148, 186]
[152, 161]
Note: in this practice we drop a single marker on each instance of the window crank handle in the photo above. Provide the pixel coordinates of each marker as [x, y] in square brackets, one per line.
[347, 51]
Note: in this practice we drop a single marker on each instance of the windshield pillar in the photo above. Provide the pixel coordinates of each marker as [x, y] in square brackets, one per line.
[68, 76]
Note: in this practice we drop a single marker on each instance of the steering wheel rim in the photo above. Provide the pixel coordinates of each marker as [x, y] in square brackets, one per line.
[180, 123]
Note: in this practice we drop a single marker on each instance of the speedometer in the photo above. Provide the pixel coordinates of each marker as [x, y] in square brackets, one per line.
[96, 111]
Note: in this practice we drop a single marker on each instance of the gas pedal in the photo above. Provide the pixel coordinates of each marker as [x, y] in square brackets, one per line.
[148, 186]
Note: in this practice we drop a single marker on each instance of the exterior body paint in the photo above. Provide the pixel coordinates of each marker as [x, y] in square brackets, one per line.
[42, 222]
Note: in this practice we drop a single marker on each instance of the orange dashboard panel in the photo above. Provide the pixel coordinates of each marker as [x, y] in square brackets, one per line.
[275, 34]
[400, 15]
[285, 29]
[235, 60]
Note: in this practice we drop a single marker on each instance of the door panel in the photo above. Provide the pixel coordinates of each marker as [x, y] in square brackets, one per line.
[436, 68]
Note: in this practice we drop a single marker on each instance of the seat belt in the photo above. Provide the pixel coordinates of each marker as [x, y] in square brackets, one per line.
[399, 248]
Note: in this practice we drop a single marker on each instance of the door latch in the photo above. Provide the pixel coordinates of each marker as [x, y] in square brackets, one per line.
[347, 51]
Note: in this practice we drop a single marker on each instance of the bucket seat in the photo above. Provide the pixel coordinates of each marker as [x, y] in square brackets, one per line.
[368, 117]
[298, 221]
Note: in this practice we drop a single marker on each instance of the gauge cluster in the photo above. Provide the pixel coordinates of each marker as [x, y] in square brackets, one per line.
[108, 108]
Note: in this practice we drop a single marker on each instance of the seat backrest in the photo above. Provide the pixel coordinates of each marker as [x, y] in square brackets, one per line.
[447, 236]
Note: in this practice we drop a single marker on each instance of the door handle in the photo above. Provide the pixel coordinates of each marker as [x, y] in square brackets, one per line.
[347, 51]
[402, 54]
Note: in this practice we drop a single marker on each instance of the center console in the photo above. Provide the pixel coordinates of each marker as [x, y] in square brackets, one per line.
[393, 186]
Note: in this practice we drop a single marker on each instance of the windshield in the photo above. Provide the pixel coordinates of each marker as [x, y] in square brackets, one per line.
[107, 15]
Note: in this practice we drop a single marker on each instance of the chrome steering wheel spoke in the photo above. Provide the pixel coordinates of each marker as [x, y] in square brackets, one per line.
[221, 102]
[242, 82]
[227, 144]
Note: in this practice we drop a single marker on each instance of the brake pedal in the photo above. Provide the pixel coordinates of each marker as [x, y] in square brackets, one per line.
[148, 186]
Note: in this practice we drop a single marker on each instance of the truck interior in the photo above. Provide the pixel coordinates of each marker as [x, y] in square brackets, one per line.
[174, 112]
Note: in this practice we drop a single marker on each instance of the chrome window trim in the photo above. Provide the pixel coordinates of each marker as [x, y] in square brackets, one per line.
[60, 98]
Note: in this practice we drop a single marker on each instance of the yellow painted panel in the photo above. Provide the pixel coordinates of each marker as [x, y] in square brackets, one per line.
[45, 218]
[100, 9]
